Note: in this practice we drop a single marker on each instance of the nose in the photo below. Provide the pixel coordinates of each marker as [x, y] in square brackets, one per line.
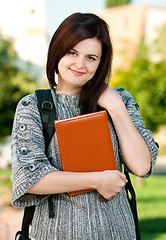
[80, 62]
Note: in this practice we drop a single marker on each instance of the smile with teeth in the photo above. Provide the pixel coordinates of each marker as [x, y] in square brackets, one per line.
[78, 73]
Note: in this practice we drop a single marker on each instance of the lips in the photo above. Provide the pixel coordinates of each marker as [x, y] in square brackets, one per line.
[78, 73]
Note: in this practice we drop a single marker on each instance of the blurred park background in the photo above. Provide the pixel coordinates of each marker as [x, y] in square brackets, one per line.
[138, 32]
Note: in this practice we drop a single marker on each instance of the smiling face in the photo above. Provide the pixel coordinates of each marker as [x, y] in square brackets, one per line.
[78, 66]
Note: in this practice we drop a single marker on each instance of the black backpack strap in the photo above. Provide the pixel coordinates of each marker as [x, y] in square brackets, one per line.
[132, 201]
[48, 115]
[47, 112]
[27, 220]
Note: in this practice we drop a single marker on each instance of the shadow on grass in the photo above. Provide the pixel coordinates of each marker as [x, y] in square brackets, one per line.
[150, 199]
[151, 228]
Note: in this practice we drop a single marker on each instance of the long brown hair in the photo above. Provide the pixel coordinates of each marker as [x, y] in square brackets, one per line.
[75, 28]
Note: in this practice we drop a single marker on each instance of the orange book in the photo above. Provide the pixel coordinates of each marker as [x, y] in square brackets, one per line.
[85, 144]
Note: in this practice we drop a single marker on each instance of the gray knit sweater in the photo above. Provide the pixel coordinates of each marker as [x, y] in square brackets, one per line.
[83, 217]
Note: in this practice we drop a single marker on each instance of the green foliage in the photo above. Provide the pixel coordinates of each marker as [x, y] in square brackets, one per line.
[146, 81]
[160, 42]
[14, 84]
[113, 3]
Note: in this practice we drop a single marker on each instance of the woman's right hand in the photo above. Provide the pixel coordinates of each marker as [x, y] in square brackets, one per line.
[110, 182]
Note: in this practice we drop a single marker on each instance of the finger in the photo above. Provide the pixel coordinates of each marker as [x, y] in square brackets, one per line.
[122, 184]
[123, 177]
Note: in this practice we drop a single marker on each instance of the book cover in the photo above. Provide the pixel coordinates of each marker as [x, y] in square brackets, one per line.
[85, 144]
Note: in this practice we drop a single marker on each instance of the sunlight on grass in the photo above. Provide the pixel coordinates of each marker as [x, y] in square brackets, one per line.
[151, 203]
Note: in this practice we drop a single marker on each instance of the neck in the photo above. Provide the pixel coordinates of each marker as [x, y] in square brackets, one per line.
[67, 90]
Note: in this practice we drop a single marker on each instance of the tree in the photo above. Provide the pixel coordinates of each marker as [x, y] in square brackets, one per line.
[113, 3]
[14, 84]
[147, 82]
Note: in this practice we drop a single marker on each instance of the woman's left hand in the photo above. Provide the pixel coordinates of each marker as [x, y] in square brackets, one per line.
[109, 99]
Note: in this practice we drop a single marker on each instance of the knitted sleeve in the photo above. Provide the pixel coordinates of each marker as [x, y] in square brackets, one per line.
[133, 110]
[29, 162]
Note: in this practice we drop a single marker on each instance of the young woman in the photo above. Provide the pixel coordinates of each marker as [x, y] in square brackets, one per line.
[80, 52]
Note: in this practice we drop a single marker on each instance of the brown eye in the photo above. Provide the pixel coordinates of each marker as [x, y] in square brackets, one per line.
[72, 53]
[91, 58]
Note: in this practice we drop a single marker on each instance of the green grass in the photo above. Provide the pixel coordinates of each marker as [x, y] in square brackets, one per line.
[5, 173]
[5, 178]
[151, 204]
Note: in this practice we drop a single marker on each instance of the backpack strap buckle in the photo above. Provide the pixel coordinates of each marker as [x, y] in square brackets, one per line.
[46, 109]
[46, 105]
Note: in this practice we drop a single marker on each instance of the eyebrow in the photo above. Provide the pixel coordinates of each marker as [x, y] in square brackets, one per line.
[92, 55]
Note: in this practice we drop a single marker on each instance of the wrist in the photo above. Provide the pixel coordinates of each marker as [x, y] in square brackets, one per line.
[116, 109]
[94, 180]
[114, 102]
